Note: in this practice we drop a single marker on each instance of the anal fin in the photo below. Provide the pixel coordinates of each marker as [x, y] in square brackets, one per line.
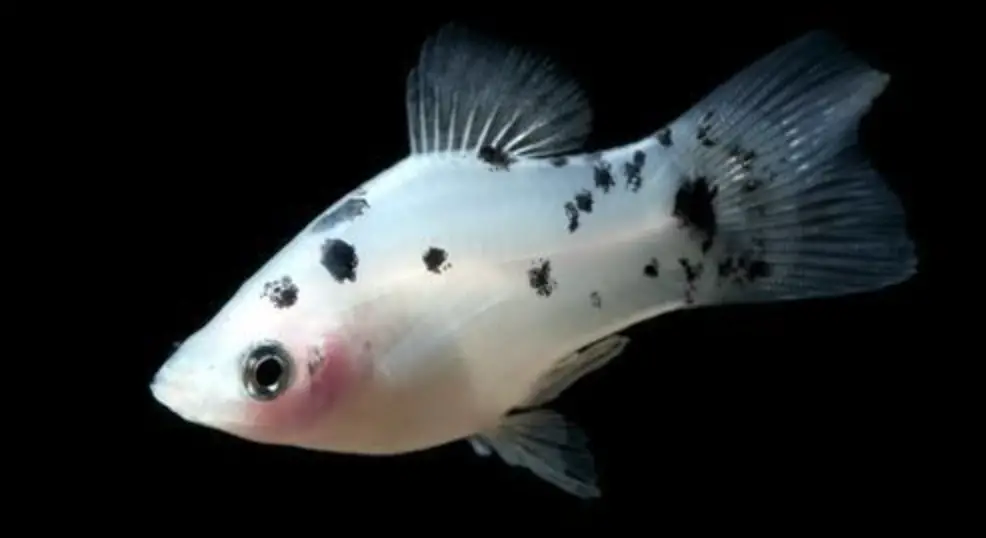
[543, 441]
[549, 446]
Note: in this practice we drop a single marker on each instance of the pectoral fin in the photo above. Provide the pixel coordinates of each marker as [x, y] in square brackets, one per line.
[480, 446]
[573, 367]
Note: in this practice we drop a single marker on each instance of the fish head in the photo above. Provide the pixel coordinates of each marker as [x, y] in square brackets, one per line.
[269, 367]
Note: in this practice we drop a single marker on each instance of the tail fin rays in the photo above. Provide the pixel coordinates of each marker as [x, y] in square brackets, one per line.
[796, 209]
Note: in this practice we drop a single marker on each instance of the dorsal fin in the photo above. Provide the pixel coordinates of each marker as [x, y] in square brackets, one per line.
[469, 93]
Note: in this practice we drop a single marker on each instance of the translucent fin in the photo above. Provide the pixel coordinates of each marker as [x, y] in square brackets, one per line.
[549, 446]
[480, 447]
[796, 210]
[543, 441]
[573, 367]
[469, 93]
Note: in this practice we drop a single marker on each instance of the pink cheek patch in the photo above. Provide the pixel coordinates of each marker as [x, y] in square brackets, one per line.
[319, 380]
[331, 373]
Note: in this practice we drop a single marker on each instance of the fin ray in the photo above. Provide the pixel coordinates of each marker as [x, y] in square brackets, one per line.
[549, 446]
[573, 367]
[544, 441]
[797, 210]
[468, 91]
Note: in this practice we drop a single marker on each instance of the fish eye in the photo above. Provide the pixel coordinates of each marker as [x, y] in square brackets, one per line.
[267, 371]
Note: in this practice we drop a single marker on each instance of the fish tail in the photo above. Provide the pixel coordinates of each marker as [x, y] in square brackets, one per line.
[775, 190]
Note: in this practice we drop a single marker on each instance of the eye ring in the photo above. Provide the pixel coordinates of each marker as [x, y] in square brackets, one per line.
[267, 371]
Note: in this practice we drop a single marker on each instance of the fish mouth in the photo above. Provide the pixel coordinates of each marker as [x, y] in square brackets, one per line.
[181, 398]
[178, 397]
[172, 396]
[190, 407]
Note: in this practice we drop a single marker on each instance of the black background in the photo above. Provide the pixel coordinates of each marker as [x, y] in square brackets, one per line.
[240, 124]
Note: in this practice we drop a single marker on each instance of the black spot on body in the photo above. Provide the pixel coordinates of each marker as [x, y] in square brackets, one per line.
[349, 210]
[652, 269]
[603, 176]
[572, 214]
[496, 157]
[693, 205]
[339, 259]
[692, 273]
[434, 259]
[632, 170]
[559, 161]
[664, 137]
[596, 299]
[583, 201]
[282, 293]
[539, 278]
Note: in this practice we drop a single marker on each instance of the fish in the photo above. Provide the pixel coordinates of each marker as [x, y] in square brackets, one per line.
[455, 295]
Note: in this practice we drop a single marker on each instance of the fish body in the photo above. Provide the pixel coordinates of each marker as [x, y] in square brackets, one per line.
[457, 293]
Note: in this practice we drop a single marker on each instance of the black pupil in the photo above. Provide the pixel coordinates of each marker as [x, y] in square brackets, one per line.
[268, 372]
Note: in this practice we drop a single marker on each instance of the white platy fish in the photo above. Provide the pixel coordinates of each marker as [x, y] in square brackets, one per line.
[458, 292]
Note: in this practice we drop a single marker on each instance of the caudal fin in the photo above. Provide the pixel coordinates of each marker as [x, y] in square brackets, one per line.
[792, 209]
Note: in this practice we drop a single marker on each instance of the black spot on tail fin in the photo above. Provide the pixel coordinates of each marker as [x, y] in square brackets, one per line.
[796, 210]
